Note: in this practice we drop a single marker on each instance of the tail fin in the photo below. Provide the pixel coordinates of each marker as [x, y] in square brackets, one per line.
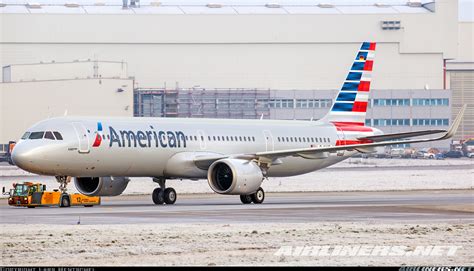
[350, 106]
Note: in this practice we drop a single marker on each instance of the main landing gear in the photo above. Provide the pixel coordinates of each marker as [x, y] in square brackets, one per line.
[162, 194]
[256, 197]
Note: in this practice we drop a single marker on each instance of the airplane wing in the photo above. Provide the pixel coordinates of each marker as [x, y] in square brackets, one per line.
[378, 138]
[271, 157]
[310, 152]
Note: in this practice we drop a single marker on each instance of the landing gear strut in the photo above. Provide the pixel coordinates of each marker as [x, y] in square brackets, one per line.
[256, 197]
[162, 194]
[63, 182]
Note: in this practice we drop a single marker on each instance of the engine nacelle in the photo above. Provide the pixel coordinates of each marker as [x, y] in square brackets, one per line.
[101, 186]
[234, 177]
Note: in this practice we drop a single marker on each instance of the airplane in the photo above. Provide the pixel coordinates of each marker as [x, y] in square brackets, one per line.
[235, 156]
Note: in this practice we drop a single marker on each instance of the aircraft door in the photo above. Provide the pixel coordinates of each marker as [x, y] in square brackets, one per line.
[82, 137]
[342, 137]
[202, 139]
[269, 144]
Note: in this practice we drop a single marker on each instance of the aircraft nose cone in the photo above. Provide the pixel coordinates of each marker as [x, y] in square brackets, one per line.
[21, 156]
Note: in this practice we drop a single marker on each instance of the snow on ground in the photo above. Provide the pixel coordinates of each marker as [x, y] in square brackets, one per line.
[355, 174]
[225, 244]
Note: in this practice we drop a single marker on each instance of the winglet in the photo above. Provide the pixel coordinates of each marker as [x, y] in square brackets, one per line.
[455, 125]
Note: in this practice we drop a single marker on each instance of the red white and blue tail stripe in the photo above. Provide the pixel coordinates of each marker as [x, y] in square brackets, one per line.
[350, 106]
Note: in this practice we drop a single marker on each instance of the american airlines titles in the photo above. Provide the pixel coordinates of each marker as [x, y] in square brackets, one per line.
[147, 139]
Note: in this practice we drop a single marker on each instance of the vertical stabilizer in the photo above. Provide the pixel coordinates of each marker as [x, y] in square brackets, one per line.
[350, 105]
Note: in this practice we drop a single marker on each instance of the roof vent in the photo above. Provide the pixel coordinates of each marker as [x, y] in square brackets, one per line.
[155, 3]
[273, 5]
[99, 4]
[325, 5]
[2, 5]
[381, 5]
[33, 5]
[414, 4]
[71, 5]
[214, 5]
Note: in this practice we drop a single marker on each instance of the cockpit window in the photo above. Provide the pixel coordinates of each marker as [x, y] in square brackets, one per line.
[26, 135]
[49, 135]
[36, 135]
[58, 136]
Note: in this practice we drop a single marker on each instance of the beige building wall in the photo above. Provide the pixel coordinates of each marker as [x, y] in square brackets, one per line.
[64, 70]
[285, 51]
[23, 104]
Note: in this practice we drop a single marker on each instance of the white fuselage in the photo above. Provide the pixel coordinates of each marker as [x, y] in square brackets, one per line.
[165, 147]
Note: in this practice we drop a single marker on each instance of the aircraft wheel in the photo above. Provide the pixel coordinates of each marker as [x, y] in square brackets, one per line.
[246, 199]
[158, 196]
[258, 196]
[65, 202]
[170, 196]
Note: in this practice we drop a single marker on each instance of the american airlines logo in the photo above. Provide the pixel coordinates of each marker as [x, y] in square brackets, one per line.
[147, 139]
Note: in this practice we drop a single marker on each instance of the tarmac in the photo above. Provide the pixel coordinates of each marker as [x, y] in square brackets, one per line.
[453, 206]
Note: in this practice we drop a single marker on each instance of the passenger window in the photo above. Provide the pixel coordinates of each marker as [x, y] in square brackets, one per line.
[49, 135]
[209, 138]
[186, 137]
[253, 138]
[312, 139]
[36, 135]
[304, 139]
[195, 138]
[245, 138]
[214, 138]
[26, 135]
[103, 137]
[227, 138]
[240, 138]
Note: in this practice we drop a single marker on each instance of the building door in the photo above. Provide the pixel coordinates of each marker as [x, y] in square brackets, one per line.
[82, 137]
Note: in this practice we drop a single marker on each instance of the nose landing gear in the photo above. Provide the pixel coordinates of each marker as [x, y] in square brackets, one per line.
[63, 182]
[162, 194]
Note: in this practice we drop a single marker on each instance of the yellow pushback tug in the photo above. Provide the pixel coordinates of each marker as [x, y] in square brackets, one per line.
[32, 195]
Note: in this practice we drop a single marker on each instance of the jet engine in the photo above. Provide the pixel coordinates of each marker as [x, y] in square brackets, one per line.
[234, 177]
[101, 186]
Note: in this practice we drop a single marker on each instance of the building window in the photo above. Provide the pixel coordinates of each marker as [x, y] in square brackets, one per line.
[430, 102]
[391, 102]
[430, 122]
[391, 122]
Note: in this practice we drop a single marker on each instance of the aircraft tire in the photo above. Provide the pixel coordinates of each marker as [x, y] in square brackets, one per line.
[65, 201]
[158, 196]
[246, 199]
[259, 196]
[170, 196]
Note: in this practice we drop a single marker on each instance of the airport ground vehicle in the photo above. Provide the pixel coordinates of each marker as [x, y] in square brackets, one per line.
[453, 154]
[32, 195]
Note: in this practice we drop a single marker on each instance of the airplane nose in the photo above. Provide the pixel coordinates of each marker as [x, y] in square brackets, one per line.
[21, 156]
